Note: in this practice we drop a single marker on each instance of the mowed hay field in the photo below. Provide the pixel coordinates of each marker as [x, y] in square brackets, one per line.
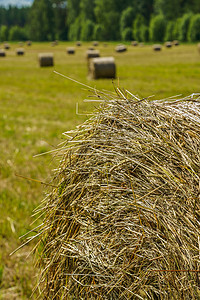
[37, 105]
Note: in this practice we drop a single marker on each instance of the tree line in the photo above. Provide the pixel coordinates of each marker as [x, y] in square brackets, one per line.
[141, 20]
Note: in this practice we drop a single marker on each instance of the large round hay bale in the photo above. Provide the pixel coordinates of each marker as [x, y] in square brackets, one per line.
[134, 43]
[2, 53]
[46, 59]
[20, 51]
[28, 43]
[102, 67]
[157, 47]
[92, 54]
[6, 46]
[120, 48]
[71, 50]
[168, 44]
[95, 43]
[121, 220]
[175, 42]
[78, 43]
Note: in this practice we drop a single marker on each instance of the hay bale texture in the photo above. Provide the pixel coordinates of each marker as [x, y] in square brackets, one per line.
[71, 50]
[92, 54]
[2, 53]
[102, 67]
[168, 44]
[120, 48]
[46, 59]
[122, 220]
[20, 51]
[6, 46]
[157, 47]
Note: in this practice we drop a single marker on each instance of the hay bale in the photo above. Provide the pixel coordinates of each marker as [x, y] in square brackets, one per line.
[120, 48]
[121, 220]
[46, 59]
[168, 44]
[95, 43]
[157, 47]
[175, 42]
[2, 53]
[28, 43]
[78, 43]
[71, 50]
[20, 51]
[6, 46]
[91, 48]
[134, 43]
[102, 67]
[92, 54]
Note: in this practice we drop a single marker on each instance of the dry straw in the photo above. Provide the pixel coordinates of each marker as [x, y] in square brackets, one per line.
[123, 221]
[45, 59]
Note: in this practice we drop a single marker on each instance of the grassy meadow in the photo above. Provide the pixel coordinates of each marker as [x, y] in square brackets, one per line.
[37, 105]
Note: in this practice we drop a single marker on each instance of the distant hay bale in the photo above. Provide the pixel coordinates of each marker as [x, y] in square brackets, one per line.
[102, 67]
[95, 43]
[92, 54]
[20, 51]
[175, 42]
[78, 43]
[2, 53]
[91, 48]
[157, 47]
[54, 43]
[70, 50]
[46, 59]
[6, 46]
[120, 48]
[168, 44]
[134, 43]
[121, 218]
[28, 43]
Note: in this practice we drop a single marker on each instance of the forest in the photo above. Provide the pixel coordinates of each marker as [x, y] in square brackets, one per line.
[107, 20]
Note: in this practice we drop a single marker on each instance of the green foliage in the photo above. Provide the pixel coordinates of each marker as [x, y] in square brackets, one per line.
[126, 19]
[176, 31]
[17, 34]
[157, 28]
[194, 29]
[98, 32]
[4, 32]
[144, 33]
[169, 34]
[87, 30]
[127, 34]
[42, 21]
[60, 15]
[75, 30]
[184, 26]
[137, 26]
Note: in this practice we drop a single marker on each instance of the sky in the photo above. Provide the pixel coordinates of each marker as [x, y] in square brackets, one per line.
[16, 2]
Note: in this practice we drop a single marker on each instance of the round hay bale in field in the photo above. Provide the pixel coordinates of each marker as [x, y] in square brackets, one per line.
[92, 54]
[95, 43]
[78, 43]
[102, 67]
[20, 51]
[71, 50]
[121, 220]
[2, 53]
[46, 59]
[157, 47]
[91, 48]
[168, 44]
[120, 48]
[175, 42]
[28, 43]
[6, 46]
[134, 43]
